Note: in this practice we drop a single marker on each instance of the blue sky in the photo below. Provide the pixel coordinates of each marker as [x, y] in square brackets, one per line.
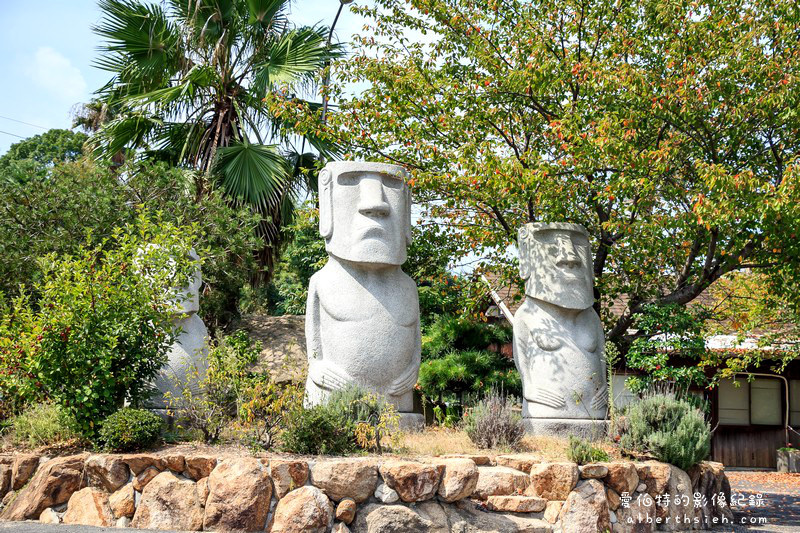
[47, 53]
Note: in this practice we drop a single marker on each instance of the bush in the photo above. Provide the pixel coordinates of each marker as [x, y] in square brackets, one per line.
[492, 423]
[318, 430]
[367, 415]
[103, 325]
[209, 400]
[43, 424]
[667, 428]
[469, 371]
[129, 430]
[582, 452]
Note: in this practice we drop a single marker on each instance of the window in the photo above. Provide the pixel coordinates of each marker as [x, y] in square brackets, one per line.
[759, 402]
[734, 403]
[765, 402]
[794, 403]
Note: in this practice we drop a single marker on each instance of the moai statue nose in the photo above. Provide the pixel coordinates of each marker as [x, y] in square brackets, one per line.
[567, 256]
[372, 202]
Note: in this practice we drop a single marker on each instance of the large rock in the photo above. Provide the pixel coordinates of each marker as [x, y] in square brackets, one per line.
[459, 479]
[413, 481]
[586, 509]
[593, 471]
[53, 484]
[108, 472]
[553, 481]
[709, 479]
[304, 510]
[141, 461]
[390, 519]
[123, 502]
[655, 476]
[465, 516]
[287, 475]
[517, 461]
[346, 478]
[552, 511]
[346, 510]
[175, 462]
[516, 504]
[479, 460]
[145, 476]
[169, 502]
[239, 491]
[5, 479]
[637, 516]
[622, 477]
[25, 464]
[500, 481]
[680, 508]
[200, 466]
[49, 516]
[89, 507]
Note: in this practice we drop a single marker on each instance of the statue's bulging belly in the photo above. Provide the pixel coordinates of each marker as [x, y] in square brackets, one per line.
[374, 352]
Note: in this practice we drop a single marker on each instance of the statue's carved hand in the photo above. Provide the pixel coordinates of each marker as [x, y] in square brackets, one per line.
[404, 383]
[327, 375]
[550, 398]
[600, 400]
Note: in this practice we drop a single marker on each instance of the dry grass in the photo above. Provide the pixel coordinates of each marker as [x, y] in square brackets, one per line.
[441, 441]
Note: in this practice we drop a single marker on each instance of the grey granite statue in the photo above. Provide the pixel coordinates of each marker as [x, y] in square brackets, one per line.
[189, 351]
[558, 337]
[362, 312]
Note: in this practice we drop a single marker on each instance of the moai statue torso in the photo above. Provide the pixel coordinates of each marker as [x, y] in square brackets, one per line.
[558, 337]
[362, 313]
[190, 350]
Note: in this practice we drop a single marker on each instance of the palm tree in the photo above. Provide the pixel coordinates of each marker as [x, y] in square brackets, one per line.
[189, 86]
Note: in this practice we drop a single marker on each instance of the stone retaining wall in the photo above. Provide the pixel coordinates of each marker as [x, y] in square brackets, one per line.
[467, 493]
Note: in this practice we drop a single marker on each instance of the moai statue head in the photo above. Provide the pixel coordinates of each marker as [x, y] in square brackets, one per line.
[555, 260]
[365, 212]
[188, 298]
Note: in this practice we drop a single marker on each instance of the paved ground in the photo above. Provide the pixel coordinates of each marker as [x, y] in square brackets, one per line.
[779, 502]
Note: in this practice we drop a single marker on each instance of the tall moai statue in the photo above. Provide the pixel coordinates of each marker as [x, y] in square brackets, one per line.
[188, 354]
[362, 312]
[558, 337]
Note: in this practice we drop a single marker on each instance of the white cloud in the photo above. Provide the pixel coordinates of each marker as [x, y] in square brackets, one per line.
[55, 73]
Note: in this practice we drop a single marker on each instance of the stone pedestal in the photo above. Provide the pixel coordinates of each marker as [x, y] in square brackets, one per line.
[566, 427]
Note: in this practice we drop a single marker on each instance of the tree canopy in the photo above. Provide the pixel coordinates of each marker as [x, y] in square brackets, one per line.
[669, 129]
[35, 155]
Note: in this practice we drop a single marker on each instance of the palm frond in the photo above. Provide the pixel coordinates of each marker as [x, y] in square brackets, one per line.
[253, 173]
[294, 58]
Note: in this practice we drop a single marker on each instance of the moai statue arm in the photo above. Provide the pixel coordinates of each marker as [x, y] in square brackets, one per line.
[409, 378]
[323, 373]
[600, 400]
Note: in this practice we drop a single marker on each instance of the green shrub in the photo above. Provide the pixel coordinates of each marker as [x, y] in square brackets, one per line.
[319, 430]
[209, 401]
[367, 415]
[103, 325]
[43, 424]
[129, 430]
[492, 423]
[469, 371]
[582, 452]
[667, 428]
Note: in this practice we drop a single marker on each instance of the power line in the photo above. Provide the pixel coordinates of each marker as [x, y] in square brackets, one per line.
[23, 122]
[13, 134]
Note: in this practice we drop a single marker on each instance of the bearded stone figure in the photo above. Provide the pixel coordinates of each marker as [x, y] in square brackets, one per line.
[558, 337]
[362, 312]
